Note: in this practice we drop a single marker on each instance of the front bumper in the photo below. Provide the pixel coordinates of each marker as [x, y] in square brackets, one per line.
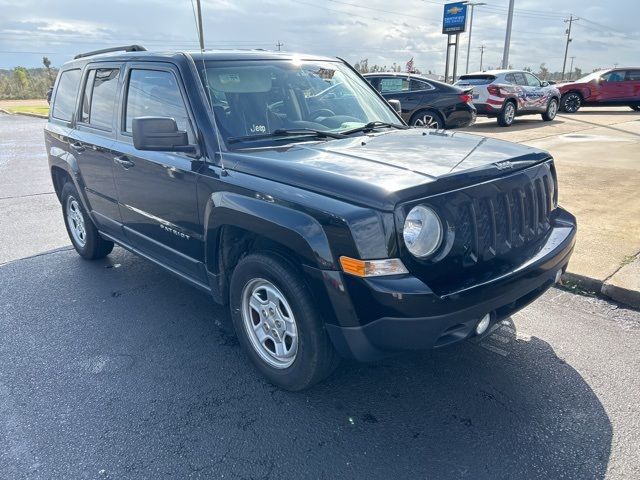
[428, 320]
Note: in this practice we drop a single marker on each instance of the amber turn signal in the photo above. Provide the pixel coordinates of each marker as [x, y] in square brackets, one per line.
[372, 268]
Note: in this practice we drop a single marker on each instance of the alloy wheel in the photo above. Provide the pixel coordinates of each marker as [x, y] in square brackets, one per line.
[572, 103]
[427, 121]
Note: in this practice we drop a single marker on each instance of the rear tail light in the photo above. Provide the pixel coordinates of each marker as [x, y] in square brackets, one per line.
[465, 97]
[493, 90]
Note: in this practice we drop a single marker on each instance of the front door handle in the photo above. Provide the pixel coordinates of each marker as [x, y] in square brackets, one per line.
[124, 162]
[77, 146]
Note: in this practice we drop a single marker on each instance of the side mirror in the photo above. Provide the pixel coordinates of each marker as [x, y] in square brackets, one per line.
[159, 134]
[545, 84]
[551, 82]
[395, 104]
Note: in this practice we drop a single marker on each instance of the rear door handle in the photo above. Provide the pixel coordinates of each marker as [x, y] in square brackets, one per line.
[77, 146]
[124, 162]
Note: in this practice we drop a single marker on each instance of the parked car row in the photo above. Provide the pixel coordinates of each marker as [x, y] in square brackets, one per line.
[503, 95]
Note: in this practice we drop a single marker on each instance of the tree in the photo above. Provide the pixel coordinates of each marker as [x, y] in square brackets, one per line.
[22, 77]
[543, 74]
[577, 72]
[47, 65]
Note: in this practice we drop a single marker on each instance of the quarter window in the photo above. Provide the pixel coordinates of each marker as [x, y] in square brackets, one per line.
[99, 98]
[64, 102]
[156, 93]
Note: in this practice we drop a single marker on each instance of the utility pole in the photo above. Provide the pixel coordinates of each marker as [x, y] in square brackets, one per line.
[481, 55]
[571, 67]
[200, 32]
[471, 5]
[278, 45]
[569, 20]
[507, 37]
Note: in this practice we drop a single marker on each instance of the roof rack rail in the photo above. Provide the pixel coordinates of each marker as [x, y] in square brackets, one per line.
[125, 48]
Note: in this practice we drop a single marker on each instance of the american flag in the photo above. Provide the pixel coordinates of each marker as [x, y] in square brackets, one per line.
[410, 65]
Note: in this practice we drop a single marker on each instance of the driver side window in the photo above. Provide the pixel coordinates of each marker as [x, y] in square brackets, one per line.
[615, 76]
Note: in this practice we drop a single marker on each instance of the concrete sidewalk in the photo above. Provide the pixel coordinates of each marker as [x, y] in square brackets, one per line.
[598, 163]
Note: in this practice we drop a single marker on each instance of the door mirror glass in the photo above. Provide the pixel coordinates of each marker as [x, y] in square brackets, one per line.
[159, 134]
[544, 84]
[396, 105]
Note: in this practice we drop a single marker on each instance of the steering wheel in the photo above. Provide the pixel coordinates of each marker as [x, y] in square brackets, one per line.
[323, 112]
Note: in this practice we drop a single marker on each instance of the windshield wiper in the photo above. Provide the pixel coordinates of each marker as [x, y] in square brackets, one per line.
[372, 125]
[288, 132]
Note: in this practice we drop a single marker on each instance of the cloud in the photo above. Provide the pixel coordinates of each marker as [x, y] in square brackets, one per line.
[382, 31]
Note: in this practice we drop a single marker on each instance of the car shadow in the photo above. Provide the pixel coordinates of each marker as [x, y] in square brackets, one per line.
[519, 124]
[156, 382]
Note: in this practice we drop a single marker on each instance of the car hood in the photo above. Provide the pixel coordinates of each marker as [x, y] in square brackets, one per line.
[382, 169]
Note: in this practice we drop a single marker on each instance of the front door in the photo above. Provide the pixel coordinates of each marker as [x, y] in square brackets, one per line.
[157, 190]
[399, 88]
[613, 86]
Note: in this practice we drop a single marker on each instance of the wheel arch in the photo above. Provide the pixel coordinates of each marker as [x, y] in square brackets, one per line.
[422, 110]
[236, 225]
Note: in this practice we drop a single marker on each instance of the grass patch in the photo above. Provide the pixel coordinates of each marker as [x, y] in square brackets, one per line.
[29, 109]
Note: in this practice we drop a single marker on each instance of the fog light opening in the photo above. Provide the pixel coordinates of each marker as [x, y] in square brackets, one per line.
[483, 324]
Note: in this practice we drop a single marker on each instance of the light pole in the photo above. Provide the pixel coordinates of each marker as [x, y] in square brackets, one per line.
[470, 5]
[507, 37]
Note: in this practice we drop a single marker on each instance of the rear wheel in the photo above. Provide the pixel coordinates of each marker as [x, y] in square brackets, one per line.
[571, 102]
[277, 323]
[427, 119]
[635, 107]
[552, 109]
[507, 114]
[82, 232]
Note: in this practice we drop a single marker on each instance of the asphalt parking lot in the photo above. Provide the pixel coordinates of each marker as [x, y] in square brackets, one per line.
[116, 369]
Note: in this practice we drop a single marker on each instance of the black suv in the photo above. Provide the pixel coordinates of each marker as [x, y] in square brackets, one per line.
[288, 188]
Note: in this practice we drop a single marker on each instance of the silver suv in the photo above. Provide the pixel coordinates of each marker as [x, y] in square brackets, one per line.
[504, 94]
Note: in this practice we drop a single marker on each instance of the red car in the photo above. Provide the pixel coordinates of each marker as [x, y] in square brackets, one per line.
[614, 87]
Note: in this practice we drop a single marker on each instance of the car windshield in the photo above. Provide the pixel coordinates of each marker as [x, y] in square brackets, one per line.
[591, 76]
[276, 101]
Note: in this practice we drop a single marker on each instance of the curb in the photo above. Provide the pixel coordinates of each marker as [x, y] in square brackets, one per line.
[26, 114]
[624, 296]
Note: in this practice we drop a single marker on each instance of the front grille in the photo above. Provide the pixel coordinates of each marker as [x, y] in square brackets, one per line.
[502, 218]
[492, 227]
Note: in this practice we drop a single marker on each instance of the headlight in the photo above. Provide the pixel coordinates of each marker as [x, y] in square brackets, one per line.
[422, 231]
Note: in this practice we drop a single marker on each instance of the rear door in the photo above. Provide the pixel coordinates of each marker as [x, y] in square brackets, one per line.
[632, 85]
[524, 93]
[93, 139]
[157, 190]
[399, 88]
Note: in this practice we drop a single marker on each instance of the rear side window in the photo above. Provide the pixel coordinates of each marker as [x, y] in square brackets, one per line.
[155, 93]
[102, 87]
[521, 79]
[65, 100]
[416, 85]
[393, 85]
[633, 75]
[476, 79]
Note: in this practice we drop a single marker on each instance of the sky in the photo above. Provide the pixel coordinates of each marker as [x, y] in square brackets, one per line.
[382, 31]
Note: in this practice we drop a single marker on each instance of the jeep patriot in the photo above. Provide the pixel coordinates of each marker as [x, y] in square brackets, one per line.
[290, 190]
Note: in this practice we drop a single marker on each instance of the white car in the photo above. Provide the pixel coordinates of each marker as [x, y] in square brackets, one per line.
[505, 94]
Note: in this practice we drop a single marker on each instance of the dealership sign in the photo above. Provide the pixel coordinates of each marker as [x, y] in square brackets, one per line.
[455, 18]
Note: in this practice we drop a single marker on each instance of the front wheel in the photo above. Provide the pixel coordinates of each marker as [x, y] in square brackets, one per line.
[552, 109]
[635, 107]
[82, 232]
[507, 114]
[277, 323]
[570, 102]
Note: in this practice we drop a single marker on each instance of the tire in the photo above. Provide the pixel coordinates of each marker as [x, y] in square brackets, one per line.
[82, 232]
[427, 119]
[571, 102]
[304, 354]
[635, 107]
[552, 110]
[507, 114]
